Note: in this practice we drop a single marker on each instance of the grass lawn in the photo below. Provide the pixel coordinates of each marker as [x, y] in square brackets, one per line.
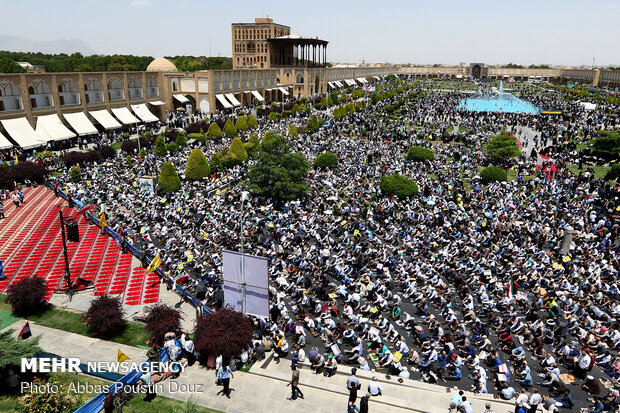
[9, 403]
[117, 145]
[71, 321]
[599, 171]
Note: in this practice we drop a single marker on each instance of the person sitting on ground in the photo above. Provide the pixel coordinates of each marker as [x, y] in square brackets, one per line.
[374, 388]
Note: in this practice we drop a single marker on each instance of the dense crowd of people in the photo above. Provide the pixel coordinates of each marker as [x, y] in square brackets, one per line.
[467, 283]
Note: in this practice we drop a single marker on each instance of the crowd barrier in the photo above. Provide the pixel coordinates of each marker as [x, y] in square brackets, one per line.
[137, 253]
[95, 404]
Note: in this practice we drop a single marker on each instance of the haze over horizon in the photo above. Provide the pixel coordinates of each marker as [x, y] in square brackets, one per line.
[525, 32]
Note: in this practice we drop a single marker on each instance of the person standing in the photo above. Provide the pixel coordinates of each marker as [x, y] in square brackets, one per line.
[294, 383]
[1, 210]
[225, 374]
[364, 403]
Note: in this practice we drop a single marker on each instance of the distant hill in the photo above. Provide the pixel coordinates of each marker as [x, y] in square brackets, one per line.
[68, 46]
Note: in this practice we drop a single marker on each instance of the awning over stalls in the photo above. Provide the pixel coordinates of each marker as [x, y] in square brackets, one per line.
[181, 98]
[20, 130]
[362, 80]
[4, 143]
[258, 96]
[377, 77]
[331, 85]
[283, 90]
[144, 113]
[459, 76]
[339, 83]
[125, 116]
[157, 103]
[223, 101]
[51, 128]
[80, 123]
[350, 82]
[232, 99]
[105, 119]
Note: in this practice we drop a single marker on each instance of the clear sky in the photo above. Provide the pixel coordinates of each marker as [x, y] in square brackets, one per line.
[566, 32]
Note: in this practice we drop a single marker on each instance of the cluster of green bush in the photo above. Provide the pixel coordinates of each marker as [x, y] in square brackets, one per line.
[493, 174]
[420, 154]
[398, 185]
[326, 160]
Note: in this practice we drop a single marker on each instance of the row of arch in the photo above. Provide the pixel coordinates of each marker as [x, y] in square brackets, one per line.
[40, 92]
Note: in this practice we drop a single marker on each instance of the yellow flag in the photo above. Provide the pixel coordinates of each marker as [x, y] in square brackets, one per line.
[122, 356]
[154, 264]
[16, 159]
[102, 222]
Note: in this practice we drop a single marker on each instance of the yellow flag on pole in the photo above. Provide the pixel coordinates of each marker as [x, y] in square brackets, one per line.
[122, 356]
[154, 264]
[102, 222]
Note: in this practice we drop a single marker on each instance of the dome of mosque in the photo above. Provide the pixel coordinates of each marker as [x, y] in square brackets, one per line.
[161, 64]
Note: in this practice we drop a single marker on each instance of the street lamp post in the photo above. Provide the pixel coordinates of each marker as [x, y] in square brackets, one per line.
[244, 196]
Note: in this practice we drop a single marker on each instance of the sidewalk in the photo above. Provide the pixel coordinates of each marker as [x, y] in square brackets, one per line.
[264, 389]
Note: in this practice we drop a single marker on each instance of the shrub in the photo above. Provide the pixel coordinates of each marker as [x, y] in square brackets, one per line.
[76, 173]
[229, 128]
[168, 179]
[398, 185]
[502, 147]
[420, 154]
[230, 160]
[160, 146]
[12, 351]
[161, 319]
[32, 171]
[181, 142]
[214, 131]
[142, 154]
[326, 160]
[197, 166]
[216, 162]
[62, 399]
[227, 333]
[252, 122]
[252, 146]
[269, 135]
[493, 174]
[76, 157]
[241, 124]
[199, 137]
[313, 124]
[238, 150]
[105, 316]
[296, 108]
[171, 135]
[273, 116]
[292, 131]
[26, 295]
[131, 146]
[606, 145]
[172, 147]
[614, 172]
[107, 152]
[129, 161]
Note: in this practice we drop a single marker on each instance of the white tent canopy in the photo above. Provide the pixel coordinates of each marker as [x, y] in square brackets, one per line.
[22, 133]
[144, 113]
[283, 90]
[80, 123]
[181, 98]
[51, 128]
[258, 96]
[105, 119]
[4, 143]
[157, 103]
[339, 83]
[377, 77]
[124, 115]
[233, 99]
[223, 101]
[362, 80]
[350, 82]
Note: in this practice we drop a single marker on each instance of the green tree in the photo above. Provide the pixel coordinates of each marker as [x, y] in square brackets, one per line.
[272, 116]
[8, 65]
[252, 122]
[279, 173]
[197, 166]
[214, 131]
[252, 146]
[326, 160]
[84, 67]
[502, 147]
[292, 130]
[493, 174]
[333, 99]
[296, 108]
[420, 154]
[313, 124]
[229, 128]
[160, 146]
[12, 351]
[76, 173]
[398, 185]
[216, 162]
[181, 141]
[237, 150]
[169, 180]
[241, 124]
[606, 145]
[269, 136]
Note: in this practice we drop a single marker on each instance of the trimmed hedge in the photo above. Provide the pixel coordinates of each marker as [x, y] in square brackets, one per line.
[326, 160]
[76, 173]
[398, 185]
[420, 154]
[169, 180]
[493, 174]
[160, 146]
[229, 128]
[214, 131]
[252, 122]
[237, 149]
[32, 171]
[197, 166]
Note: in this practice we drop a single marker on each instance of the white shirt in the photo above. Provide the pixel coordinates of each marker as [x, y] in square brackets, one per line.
[301, 355]
[374, 388]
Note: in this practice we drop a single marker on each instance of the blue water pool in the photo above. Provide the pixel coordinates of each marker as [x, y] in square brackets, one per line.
[508, 103]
